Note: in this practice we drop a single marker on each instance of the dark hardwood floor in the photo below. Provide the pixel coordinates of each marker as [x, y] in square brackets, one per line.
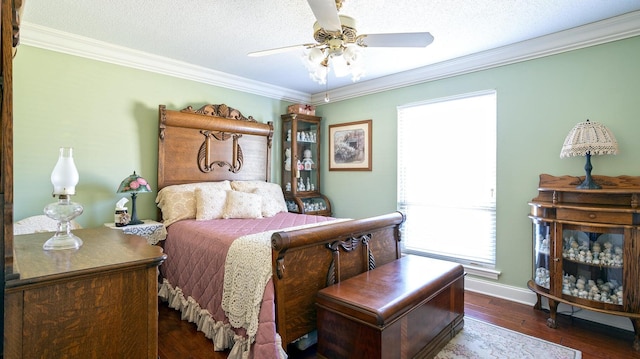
[180, 340]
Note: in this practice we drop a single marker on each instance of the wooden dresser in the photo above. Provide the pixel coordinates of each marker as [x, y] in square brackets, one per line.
[97, 302]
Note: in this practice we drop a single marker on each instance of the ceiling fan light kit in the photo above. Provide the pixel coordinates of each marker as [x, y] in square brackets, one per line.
[339, 46]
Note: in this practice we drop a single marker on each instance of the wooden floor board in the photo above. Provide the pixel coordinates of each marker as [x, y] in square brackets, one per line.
[179, 339]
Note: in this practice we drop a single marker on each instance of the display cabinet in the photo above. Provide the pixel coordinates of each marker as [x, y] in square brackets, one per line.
[301, 165]
[586, 249]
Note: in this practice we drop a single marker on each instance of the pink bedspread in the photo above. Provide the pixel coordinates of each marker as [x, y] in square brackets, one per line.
[196, 253]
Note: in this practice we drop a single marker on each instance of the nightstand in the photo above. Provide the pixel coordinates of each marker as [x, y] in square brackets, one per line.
[153, 231]
[99, 300]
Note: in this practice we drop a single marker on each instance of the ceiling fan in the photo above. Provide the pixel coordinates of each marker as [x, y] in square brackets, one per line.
[338, 43]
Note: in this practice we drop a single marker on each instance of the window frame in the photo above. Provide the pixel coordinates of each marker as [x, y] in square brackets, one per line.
[487, 264]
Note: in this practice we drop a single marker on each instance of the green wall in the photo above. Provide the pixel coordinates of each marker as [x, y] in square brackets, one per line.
[539, 101]
[108, 113]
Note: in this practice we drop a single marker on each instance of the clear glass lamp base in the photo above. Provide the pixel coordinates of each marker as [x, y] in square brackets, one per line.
[63, 211]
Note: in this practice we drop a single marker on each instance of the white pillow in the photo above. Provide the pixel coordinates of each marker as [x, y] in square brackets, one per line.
[247, 186]
[242, 205]
[272, 198]
[210, 203]
[223, 185]
[178, 202]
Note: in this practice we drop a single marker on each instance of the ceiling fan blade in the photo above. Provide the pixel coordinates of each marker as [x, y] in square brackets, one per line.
[406, 39]
[278, 50]
[326, 13]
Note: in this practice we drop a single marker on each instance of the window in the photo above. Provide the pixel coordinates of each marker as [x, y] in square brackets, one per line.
[447, 178]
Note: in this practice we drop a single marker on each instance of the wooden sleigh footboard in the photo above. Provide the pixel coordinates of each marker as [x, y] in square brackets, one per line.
[307, 260]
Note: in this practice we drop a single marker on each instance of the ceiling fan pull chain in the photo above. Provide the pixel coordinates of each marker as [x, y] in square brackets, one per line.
[326, 88]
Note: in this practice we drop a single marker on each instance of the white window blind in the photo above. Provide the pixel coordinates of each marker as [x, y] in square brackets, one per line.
[447, 178]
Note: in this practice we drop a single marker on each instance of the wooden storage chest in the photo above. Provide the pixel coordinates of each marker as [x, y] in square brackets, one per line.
[404, 309]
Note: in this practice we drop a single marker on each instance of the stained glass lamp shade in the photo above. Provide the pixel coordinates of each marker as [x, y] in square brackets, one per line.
[134, 184]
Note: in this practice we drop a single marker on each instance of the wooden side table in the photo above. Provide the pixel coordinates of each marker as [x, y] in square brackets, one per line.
[153, 231]
[98, 300]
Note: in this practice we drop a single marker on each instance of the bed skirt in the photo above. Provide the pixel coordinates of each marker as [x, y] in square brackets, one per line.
[221, 334]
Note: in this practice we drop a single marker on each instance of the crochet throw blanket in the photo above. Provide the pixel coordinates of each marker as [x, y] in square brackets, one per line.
[247, 271]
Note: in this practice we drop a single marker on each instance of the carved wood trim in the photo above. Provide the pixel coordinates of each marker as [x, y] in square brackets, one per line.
[348, 245]
[162, 123]
[204, 153]
[371, 262]
[221, 110]
[16, 19]
[280, 267]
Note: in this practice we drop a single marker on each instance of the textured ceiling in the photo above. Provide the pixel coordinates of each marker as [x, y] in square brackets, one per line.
[218, 35]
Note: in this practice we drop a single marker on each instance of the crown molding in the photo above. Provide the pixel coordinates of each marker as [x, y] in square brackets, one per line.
[616, 28]
[54, 40]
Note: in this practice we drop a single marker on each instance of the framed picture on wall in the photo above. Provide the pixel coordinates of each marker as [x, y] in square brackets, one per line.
[350, 146]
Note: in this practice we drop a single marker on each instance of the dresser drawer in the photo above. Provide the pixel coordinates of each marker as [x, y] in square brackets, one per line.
[578, 215]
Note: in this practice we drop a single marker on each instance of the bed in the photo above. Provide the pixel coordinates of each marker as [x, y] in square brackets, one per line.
[201, 153]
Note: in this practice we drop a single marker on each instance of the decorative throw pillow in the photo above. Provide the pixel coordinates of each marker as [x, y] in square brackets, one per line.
[249, 186]
[272, 198]
[242, 205]
[176, 206]
[210, 203]
[178, 202]
[223, 185]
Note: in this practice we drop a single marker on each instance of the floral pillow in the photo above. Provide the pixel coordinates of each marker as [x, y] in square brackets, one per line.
[272, 198]
[210, 203]
[178, 202]
[176, 206]
[242, 205]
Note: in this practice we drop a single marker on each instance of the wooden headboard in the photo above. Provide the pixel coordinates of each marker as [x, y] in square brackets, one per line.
[213, 143]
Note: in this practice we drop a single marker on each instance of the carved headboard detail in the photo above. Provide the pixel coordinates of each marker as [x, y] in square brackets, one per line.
[204, 154]
[196, 143]
[221, 110]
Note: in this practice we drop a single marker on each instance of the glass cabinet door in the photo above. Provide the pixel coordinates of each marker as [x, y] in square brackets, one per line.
[311, 205]
[301, 167]
[301, 150]
[289, 165]
[541, 253]
[593, 264]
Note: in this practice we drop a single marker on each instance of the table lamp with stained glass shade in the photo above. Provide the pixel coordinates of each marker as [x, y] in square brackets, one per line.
[134, 184]
[64, 178]
[586, 139]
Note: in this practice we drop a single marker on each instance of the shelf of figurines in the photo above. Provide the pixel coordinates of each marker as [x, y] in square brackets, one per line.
[309, 206]
[301, 186]
[599, 254]
[597, 290]
[306, 164]
[303, 136]
[604, 254]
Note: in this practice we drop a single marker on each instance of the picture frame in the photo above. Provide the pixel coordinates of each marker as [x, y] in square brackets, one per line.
[350, 146]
